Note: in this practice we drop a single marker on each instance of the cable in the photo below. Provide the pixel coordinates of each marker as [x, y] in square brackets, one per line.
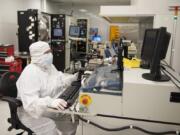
[170, 74]
[104, 128]
[128, 127]
[154, 133]
[166, 63]
[175, 84]
[171, 79]
[167, 66]
[135, 119]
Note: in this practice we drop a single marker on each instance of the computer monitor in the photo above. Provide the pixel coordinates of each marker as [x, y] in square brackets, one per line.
[57, 32]
[166, 44]
[150, 38]
[156, 53]
[96, 38]
[74, 31]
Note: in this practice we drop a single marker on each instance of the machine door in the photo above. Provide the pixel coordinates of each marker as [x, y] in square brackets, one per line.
[58, 40]
[58, 49]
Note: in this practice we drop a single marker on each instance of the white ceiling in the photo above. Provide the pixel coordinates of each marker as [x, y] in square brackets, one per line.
[93, 2]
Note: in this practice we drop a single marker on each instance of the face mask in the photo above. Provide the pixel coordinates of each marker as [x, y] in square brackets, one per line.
[47, 59]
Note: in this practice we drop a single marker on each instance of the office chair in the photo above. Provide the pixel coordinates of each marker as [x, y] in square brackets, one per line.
[8, 92]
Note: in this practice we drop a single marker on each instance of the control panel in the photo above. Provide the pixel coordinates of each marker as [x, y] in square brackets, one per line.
[58, 27]
[82, 23]
[58, 40]
[81, 45]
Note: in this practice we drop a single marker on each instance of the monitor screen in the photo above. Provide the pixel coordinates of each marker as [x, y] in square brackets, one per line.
[74, 31]
[149, 42]
[96, 38]
[57, 32]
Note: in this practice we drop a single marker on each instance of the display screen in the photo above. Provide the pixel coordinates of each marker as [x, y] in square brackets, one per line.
[57, 32]
[96, 38]
[74, 31]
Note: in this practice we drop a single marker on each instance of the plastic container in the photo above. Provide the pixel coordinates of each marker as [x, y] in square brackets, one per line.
[133, 63]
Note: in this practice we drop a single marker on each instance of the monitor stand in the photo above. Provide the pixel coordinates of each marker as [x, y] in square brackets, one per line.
[145, 64]
[152, 77]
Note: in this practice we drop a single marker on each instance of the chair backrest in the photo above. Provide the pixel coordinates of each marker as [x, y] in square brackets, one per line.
[8, 84]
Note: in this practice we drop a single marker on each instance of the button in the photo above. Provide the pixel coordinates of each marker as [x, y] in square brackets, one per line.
[85, 101]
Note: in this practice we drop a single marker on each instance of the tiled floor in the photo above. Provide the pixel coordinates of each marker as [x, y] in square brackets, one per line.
[4, 114]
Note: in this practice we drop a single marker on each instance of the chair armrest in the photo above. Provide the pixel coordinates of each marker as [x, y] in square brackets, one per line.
[14, 119]
[12, 101]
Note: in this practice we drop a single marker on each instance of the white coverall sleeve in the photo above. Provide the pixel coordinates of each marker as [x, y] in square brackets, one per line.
[29, 87]
[67, 78]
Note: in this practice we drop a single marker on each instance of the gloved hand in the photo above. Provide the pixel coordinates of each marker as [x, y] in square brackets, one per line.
[59, 104]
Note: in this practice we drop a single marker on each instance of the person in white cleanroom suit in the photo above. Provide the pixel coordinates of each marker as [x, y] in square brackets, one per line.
[38, 87]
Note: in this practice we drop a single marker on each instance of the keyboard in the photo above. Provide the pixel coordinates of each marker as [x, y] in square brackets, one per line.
[72, 92]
